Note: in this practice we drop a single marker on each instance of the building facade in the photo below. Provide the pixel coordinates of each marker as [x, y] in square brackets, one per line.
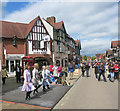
[43, 39]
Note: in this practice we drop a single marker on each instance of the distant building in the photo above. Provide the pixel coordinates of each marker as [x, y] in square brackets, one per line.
[97, 57]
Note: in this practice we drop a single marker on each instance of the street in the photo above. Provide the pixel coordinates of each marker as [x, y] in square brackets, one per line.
[88, 93]
[14, 98]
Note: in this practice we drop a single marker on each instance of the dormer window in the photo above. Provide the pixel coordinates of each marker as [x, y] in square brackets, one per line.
[14, 41]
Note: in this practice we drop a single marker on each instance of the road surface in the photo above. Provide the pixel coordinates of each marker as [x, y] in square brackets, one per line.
[88, 93]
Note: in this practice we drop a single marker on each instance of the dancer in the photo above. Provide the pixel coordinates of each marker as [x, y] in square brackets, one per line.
[45, 79]
[49, 75]
[27, 86]
[36, 78]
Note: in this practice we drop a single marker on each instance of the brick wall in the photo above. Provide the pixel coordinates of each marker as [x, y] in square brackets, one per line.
[18, 49]
[1, 54]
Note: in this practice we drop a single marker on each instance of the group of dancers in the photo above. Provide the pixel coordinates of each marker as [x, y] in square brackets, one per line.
[34, 82]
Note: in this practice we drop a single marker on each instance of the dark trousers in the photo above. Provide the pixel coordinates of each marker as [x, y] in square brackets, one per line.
[116, 75]
[37, 87]
[51, 72]
[102, 75]
[96, 75]
[28, 95]
[3, 80]
[83, 73]
[18, 77]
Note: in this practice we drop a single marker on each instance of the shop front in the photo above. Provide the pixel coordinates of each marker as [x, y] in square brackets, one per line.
[41, 59]
[12, 60]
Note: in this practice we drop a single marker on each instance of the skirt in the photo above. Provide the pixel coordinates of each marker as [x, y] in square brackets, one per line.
[28, 87]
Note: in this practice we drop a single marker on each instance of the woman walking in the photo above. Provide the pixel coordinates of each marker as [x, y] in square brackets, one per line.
[4, 74]
[36, 78]
[27, 86]
[55, 73]
[45, 79]
[59, 72]
[116, 71]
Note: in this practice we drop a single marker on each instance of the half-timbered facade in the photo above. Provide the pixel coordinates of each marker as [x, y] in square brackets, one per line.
[44, 40]
[39, 43]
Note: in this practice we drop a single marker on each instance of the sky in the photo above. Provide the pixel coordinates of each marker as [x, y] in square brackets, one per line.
[95, 22]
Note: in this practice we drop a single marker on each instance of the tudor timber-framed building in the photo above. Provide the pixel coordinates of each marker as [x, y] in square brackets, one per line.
[44, 40]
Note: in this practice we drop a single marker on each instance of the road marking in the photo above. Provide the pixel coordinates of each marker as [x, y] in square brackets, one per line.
[24, 104]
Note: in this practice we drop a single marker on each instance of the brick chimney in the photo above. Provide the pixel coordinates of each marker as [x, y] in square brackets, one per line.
[51, 19]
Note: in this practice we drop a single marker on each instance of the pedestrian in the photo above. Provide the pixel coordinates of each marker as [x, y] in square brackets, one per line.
[18, 73]
[70, 70]
[49, 75]
[36, 78]
[83, 69]
[51, 68]
[101, 69]
[45, 81]
[28, 87]
[96, 70]
[116, 71]
[55, 73]
[4, 74]
[111, 72]
[87, 67]
[59, 72]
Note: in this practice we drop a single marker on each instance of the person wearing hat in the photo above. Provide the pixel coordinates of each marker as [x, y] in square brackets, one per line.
[18, 73]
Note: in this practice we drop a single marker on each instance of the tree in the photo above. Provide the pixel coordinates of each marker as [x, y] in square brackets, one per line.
[93, 58]
[85, 58]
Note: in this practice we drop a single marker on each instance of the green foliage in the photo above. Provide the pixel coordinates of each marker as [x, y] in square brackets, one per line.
[93, 58]
[85, 57]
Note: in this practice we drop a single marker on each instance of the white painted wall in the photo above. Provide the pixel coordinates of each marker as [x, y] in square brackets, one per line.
[38, 51]
[49, 28]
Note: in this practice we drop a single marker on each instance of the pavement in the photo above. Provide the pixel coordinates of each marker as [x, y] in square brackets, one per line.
[14, 98]
[89, 93]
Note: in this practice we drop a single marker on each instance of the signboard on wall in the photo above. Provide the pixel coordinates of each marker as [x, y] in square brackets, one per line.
[47, 38]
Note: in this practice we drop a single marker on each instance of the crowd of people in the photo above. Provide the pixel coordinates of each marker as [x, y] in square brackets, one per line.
[35, 78]
[111, 69]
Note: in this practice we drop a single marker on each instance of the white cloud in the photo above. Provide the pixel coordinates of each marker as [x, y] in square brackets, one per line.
[94, 46]
[85, 19]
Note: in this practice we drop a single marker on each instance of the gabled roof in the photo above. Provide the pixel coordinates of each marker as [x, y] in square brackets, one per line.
[10, 29]
[57, 25]
[115, 44]
[98, 55]
[77, 42]
[21, 30]
[109, 52]
[31, 24]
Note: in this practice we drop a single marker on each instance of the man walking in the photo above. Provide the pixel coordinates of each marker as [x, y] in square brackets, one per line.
[70, 70]
[18, 73]
[101, 69]
[87, 67]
